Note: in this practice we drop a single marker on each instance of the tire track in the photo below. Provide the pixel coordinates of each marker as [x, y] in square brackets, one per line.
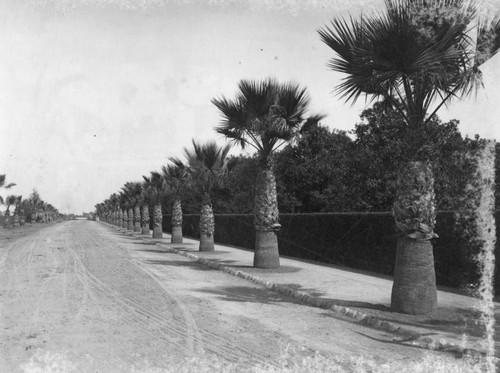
[148, 320]
[211, 342]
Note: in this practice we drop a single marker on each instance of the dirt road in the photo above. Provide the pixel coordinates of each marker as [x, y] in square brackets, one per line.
[80, 296]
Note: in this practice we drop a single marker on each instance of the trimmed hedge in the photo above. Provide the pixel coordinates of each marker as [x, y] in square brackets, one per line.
[365, 241]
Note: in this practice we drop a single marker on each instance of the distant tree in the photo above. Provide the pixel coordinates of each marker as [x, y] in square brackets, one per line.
[133, 193]
[156, 188]
[4, 185]
[176, 175]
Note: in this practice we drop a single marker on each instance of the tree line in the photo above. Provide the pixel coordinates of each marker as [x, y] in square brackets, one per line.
[31, 210]
[411, 59]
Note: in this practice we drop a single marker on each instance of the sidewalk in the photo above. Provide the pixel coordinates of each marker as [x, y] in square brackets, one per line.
[357, 295]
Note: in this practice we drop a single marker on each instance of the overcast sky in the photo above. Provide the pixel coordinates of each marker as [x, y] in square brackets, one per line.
[95, 93]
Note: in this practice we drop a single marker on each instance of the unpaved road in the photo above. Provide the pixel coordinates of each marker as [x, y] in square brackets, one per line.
[80, 296]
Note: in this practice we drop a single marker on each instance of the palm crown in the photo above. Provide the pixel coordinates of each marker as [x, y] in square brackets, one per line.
[264, 114]
[208, 163]
[419, 53]
[133, 192]
[176, 175]
[154, 186]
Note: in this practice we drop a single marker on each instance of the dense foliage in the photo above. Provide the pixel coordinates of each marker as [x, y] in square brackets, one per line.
[329, 170]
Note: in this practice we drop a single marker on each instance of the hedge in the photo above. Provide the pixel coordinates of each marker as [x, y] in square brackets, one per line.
[365, 241]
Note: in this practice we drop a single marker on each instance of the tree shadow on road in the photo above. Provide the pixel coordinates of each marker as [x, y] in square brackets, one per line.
[178, 263]
[248, 294]
[338, 302]
[160, 251]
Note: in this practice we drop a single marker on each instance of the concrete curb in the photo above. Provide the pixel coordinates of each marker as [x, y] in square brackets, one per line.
[410, 336]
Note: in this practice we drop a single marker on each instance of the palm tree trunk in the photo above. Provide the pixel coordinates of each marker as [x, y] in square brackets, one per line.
[414, 288]
[158, 221]
[145, 219]
[130, 219]
[207, 224]
[15, 220]
[6, 222]
[22, 220]
[177, 221]
[137, 218]
[266, 218]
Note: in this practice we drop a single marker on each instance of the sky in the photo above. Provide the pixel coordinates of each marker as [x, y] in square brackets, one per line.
[95, 93]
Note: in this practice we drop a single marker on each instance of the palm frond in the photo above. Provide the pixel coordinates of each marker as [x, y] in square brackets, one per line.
[415, 52]
[262, 113]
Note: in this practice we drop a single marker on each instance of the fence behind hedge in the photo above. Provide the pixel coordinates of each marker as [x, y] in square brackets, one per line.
[364, 241]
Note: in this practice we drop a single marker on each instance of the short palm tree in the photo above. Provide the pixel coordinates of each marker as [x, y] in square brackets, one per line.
[264, 115]
[123, 202]
[208, 165]
[144, 208]
[131, 191]
[113, 203]
[155, 185]
[176, 176]
[415, 57]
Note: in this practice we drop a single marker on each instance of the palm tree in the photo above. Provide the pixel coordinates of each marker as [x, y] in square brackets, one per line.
[415, 58]
[10, 200]
[123, 202]
[145, 200]
[4, 185]
[264, 115]
[99, 211]
[3, 182]
[17, 202]
[132, 191]
[176, 177]
[113, 203]
[35, 201]
[156, 187]
[208, 165]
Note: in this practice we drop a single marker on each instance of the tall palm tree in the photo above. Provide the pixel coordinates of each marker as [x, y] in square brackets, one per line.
[264, 115]
[4, 185]
[208, 165]
[176, 176]
[10, 200]
[3, 182]
[17, 202]
[415, 57]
